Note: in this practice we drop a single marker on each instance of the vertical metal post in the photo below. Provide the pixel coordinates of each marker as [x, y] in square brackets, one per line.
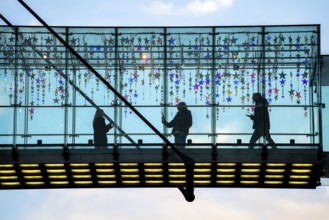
[213, 89]
[66, 76]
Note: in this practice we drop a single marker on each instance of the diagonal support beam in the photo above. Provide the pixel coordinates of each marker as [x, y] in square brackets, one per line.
[188, 192]
[5, 20]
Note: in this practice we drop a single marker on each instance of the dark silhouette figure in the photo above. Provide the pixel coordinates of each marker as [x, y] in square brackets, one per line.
[100, 129]
[181, 124]
[261, 121]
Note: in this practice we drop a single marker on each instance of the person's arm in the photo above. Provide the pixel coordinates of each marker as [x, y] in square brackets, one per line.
[169, 124]
[109, 126]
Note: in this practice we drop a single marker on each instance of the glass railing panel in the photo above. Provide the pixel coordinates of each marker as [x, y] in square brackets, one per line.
[132, 124]
[325, 121]
[49, 121]
[232, 124]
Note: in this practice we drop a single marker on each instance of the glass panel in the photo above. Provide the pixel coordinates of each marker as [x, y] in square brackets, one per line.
[52, 96]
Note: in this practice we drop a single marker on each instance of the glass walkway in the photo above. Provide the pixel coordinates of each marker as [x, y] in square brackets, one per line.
[50, 91]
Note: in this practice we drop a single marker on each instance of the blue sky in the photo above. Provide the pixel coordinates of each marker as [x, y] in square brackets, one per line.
[163, 204]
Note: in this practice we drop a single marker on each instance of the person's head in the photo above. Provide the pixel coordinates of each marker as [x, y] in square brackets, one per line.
[181, 106]
[98, 114]
[256, 97]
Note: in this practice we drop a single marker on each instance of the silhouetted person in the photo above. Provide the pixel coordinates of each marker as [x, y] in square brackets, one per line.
[181, 124]
[261, 121]
[100, 129]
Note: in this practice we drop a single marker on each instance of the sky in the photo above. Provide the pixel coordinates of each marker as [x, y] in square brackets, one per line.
[161, 204]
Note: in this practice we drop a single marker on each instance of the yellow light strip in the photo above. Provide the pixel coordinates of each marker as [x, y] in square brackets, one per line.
[31, 171]
[302, 165]
[128, 164]
[225, 176]
[83, 182]
[29, 165]
[225, 181]
[79, 165]
[203, 164]
[59, 182]
[57, 176]
[299, 177]
[250, 170]
[130, 182]
[249, 176]
[152, 164]
[202, 170]
[275, 170]
[7, 171]
[8, 177]
[153, 170]
[55, 171]
[82, 176]
[130, 176]
[35, 183]
[201, 176]
[6, 165]
[176, 164]
[129, 170]
[108, 182]
[176, 181]
[273, 182]
[202, 181]
[249, 182]
[176, 170]
[276, 165]
[300, 171]
[153, 176]
[33, 177]
[298, 182]
[226, 164]
[274, 176]
[176, 176]
[105, 170]
[105, 176]
[153, 181]
[54, 165]
[225, 170]
[80, 170]
[103, 164]
[10, 183]
[251, 164]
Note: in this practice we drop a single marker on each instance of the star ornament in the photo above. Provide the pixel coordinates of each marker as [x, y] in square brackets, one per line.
[305, 81]
[171, 41]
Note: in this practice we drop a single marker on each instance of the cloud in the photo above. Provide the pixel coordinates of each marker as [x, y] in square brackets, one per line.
[193, 7]
[164, 203]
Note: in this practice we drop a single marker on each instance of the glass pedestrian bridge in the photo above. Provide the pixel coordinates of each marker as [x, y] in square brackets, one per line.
[48, 98]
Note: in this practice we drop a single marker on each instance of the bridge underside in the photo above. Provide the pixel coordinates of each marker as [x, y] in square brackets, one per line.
[110, 168]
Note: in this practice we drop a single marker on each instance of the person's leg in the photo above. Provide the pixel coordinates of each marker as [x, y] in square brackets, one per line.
[270, 140]
[254, 137]
[180, 140]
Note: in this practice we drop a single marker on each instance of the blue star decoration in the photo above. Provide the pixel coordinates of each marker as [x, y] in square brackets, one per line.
[171, 41]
